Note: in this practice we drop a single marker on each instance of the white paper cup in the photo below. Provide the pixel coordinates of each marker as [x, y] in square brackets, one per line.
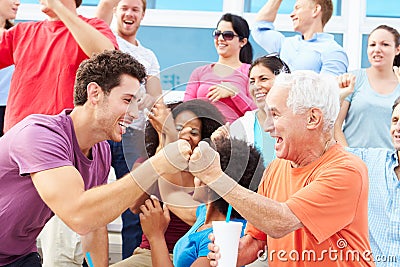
[227, 235]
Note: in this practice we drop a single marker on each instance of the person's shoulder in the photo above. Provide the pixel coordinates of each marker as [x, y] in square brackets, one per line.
[371, 153]
[341, 157]
[93, 20]
[263, 25]
[204, 68]
[245, 68]
[26, 25]
[329, 41]
[41, 127]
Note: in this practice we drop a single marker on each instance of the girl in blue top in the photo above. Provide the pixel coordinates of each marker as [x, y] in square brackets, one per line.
[191, 249]
[365, 115]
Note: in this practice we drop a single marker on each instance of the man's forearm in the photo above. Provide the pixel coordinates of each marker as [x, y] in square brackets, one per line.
[270, 216]
[104, 10]
[96, 243]
[88, 38]
[269, 11]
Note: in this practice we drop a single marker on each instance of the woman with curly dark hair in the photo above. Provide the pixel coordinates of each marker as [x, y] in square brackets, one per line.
[191, 249]
[193, 121]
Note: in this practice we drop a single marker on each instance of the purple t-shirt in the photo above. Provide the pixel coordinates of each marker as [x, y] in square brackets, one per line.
[38, 143]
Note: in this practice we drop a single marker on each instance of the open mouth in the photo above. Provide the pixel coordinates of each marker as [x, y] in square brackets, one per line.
[377, 57]
[129, 22]
[260, 95]
[123, 126]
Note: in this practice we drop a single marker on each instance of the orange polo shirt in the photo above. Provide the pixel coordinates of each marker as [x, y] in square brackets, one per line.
[330, 198]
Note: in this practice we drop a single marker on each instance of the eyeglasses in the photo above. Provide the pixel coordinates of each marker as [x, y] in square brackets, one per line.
[226, 35]
[285, 67]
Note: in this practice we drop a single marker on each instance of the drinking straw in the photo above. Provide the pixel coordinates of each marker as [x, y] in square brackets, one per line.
[89, 259]
[228, 213]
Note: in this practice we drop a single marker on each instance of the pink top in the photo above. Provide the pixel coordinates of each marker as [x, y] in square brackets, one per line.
[231, 107]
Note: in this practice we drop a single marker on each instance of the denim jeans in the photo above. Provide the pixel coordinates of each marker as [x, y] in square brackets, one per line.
[124, 154]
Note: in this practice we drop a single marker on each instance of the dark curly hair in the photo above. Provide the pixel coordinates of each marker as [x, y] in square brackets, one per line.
[211, 119]
[271, 62]
[105, 69]
[246, 171]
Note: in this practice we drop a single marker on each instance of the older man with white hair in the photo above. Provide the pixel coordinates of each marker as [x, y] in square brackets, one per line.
[311, 207]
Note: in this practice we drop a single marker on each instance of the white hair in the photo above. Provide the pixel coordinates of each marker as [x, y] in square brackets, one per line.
[308, 89]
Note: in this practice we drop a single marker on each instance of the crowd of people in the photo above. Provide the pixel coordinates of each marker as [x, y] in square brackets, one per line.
[303, 150]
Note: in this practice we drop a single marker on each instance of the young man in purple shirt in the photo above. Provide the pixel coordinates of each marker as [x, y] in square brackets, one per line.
[58, 164]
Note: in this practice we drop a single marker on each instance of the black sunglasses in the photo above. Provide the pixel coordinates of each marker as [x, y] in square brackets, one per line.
[227, 35]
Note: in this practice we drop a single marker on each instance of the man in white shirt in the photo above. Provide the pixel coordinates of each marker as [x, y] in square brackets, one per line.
[128, 15]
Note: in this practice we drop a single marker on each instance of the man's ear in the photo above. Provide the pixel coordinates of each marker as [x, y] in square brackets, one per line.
[316, 11]
[314, 118]
[94, 92]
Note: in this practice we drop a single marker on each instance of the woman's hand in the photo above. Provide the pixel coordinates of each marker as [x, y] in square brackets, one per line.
[222, 90]
[154, 219]
[346, 82]
[161, 119]
[222, 132]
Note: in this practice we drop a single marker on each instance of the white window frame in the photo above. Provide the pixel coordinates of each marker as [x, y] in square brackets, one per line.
[352, 23]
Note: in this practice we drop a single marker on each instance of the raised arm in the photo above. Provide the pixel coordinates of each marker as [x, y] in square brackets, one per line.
[153, 93]
[105, 9]
[346, 84]
[89, 39]
[269, 11]
[339, 135]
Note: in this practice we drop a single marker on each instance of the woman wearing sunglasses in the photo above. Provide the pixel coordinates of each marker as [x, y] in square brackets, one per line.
[225, 83]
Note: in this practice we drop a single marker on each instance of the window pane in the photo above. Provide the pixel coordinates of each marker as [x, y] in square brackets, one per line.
[364, 57]
[383, 8]
[286, 7]
[198, 5]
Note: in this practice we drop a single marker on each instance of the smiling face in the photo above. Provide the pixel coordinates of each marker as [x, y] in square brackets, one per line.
[288, 128]
[302, 15]
[381, 48]
[189, 127]
[395, 128]
[129, 14]
[227, 48]
[261, 81]
[8, 9]
[118, 109]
